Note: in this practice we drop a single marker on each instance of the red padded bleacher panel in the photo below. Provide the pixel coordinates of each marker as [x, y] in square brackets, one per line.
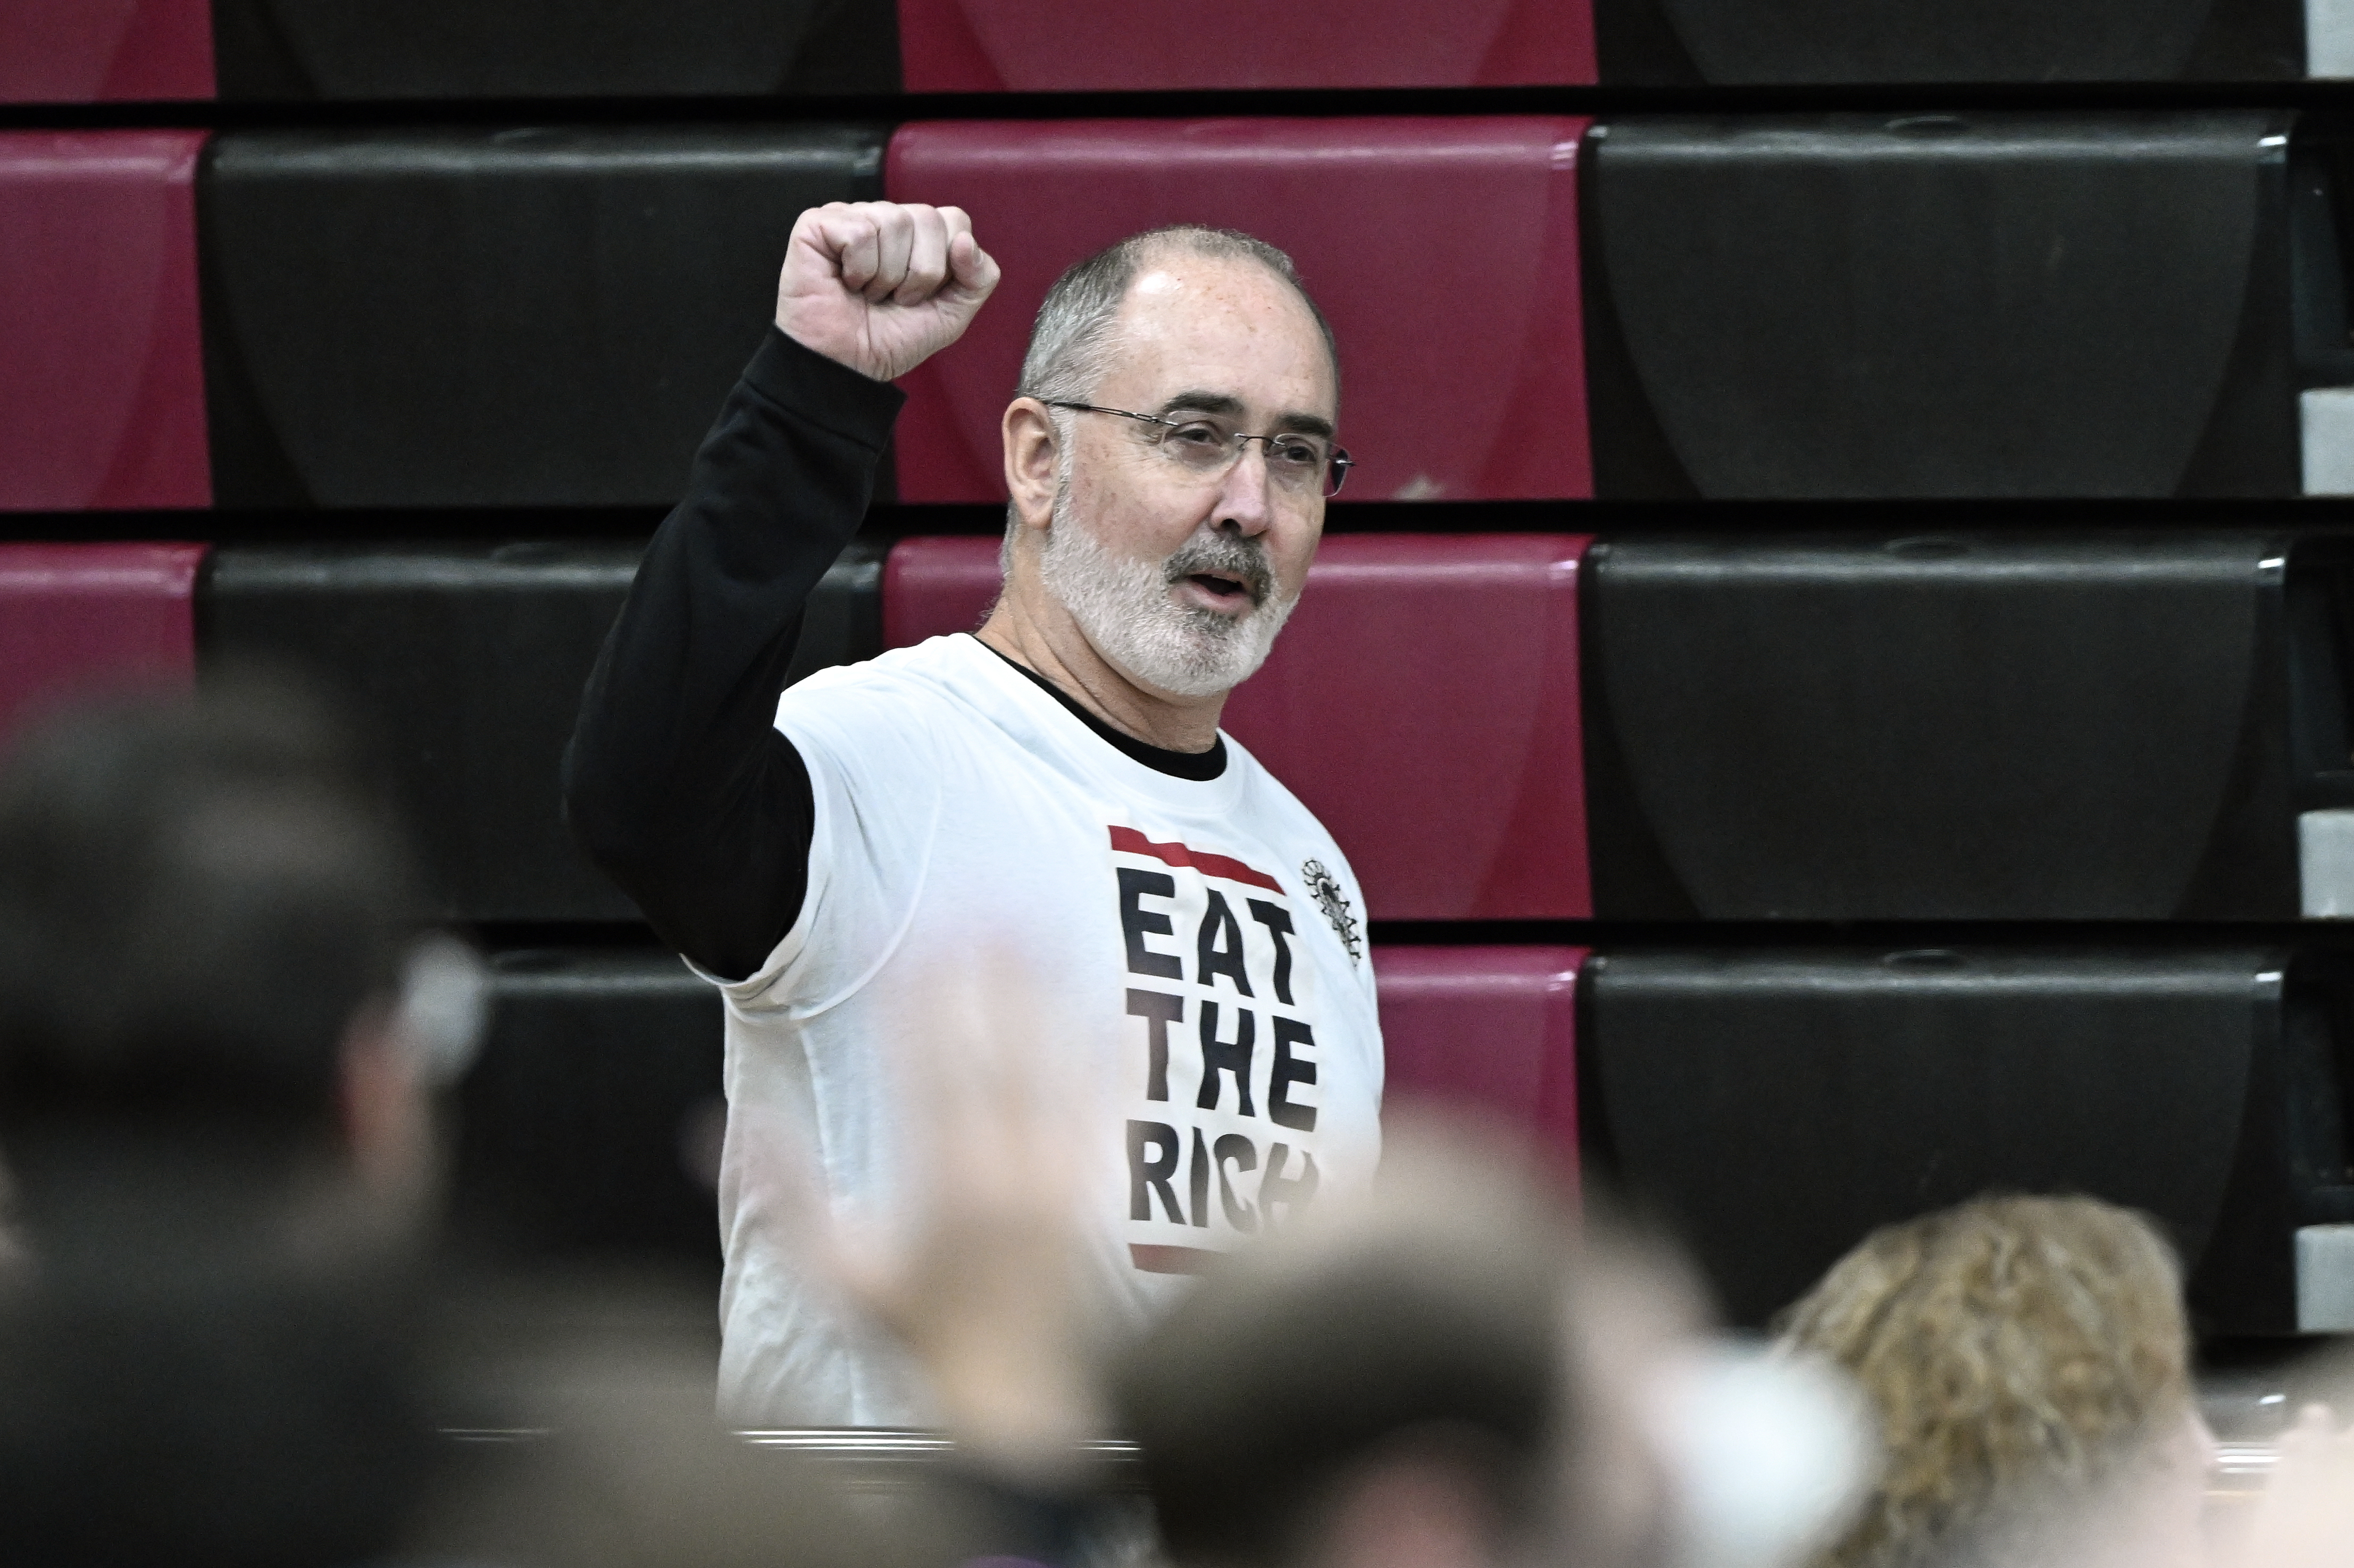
[1423, 701]
[101, 362]
[1060, 45]
[1462, 352]
[932, 587]
[1490, 1030]
[77, 51]
[76, 618]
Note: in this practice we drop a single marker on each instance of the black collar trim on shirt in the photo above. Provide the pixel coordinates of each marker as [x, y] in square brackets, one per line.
[1198, 766]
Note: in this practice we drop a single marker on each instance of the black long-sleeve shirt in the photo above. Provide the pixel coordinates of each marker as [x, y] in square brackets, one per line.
[677, 782]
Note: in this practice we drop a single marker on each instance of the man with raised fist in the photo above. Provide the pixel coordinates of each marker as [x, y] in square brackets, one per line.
[1027, 845]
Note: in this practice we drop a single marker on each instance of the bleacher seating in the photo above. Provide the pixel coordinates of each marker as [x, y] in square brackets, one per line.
[80, 52]
[102, 371]
[1445, 761]
[1676, 42]
[1491, 405]
[1941, 304]
[84, 50]
[588, 1127]
[1485, 1031]
[83, 621]
[473, 317]
[553, 48]
[1063, 46]
[464, 667]
[407, 301]
[1780, 1103]
[1965, 726]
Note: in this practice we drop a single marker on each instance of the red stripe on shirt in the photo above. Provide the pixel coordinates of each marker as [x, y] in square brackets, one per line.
[1129, 841]
[1151, 1259]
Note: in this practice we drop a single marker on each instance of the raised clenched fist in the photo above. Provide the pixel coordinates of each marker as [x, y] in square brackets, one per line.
[881, 286]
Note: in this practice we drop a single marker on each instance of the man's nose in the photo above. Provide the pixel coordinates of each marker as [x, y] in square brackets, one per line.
[1244, 503]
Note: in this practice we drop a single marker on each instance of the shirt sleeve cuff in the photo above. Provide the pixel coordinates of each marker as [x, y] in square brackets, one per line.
[825, 392]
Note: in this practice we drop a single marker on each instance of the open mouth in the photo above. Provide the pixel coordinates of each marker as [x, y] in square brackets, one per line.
[1221, 587]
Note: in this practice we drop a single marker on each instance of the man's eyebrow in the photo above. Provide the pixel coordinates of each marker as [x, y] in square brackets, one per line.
[1225, 403]
[1204, 402]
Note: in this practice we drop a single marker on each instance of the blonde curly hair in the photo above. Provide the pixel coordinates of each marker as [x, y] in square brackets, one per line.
[2014, 1349]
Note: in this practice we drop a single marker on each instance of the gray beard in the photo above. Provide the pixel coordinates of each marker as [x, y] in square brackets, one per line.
[1124, 608]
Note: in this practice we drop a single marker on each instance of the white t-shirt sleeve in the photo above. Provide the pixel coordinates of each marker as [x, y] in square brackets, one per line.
[875, 780]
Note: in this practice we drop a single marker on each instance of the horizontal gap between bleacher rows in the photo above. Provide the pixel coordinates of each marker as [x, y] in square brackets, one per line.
[1623, 934]
[1622, 519]
[232, 115]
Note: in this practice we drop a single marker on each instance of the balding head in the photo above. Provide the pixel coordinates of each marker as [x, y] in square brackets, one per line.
[1074, 340]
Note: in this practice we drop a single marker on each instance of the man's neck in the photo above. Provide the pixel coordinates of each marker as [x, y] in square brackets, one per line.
[1043, 636]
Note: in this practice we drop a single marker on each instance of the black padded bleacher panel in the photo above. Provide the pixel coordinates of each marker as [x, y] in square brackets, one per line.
[292, 49]
[1680, 42]
[596, 1092]
[1995, 303]
[1778, 1104]
[1973, 726]
[464, 667]
[477, 317]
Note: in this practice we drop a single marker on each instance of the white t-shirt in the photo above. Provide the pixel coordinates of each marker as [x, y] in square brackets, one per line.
[973, 837]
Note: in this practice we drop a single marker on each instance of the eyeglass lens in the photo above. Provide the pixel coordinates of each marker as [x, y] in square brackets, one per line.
[1296, 461]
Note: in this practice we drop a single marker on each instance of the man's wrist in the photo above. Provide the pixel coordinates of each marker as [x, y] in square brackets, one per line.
[823, 390]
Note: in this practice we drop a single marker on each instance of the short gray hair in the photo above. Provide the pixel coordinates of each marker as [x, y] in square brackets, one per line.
[1070, 343]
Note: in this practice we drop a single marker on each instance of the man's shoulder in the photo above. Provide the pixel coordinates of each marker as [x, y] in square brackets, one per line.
[1284, 817]
[923, 672]
[1268, 798]
[908, 690]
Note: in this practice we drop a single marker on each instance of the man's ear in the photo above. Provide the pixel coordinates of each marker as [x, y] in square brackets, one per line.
[1030, 440]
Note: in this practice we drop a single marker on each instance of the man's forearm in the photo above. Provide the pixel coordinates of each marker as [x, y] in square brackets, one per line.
[676, 783]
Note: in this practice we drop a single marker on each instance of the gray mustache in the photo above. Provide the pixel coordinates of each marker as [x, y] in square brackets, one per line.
[1242, 558]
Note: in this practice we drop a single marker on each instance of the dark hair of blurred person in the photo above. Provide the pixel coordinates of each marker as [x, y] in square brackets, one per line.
[2028, 1361]
[202, 921]
[1388, 1383]
[211, 1108]
[233, 1406]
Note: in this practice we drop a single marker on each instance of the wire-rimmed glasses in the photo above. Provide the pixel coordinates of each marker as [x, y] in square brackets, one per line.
[1207, 446]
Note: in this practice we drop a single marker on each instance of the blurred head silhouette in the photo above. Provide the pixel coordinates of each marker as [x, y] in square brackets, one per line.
[1388, 1382]
[206, 925]
[2027, 1360]
[212, 1108]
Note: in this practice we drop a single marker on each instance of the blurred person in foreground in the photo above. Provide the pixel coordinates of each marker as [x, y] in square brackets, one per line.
[2027, 1361]
[217, 1011]
[220, 1023]
[1393, 1385]
[216, 1030]
[1443, 1370]
[1456, 1373]
[2305, 1517]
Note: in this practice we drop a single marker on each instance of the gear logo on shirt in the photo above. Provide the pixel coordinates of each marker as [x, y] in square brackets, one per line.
[1325, 888]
